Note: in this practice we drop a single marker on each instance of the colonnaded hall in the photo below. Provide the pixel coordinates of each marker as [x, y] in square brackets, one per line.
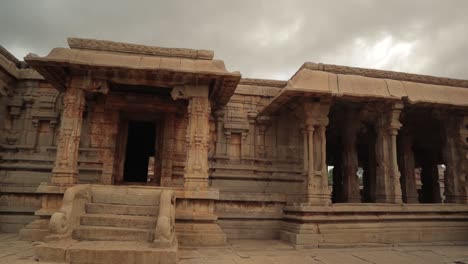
[107, 145]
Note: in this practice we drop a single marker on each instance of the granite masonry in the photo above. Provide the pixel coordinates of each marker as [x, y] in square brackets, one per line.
[110, 147]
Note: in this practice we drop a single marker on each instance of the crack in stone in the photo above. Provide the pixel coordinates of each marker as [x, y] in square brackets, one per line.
[366, 260]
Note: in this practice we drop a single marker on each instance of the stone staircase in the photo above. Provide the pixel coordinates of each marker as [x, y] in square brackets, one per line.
[115, 225]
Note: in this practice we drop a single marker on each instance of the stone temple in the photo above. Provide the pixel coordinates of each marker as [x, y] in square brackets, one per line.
[122, 153]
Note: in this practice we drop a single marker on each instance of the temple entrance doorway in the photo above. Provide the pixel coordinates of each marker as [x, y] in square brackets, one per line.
[140, 152]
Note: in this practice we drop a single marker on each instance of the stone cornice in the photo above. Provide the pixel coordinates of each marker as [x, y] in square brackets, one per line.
[9, 56]
[400, 76]
[112, 46]
[263, 82]
[11, 67]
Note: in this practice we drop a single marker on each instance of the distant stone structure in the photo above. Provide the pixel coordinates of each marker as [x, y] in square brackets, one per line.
[231, 158]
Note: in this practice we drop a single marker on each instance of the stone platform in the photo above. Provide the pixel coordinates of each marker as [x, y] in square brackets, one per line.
[14, 251]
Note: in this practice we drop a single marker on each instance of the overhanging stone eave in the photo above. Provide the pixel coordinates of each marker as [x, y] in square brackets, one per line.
[58, 72]
[383, 74]
[282, 99]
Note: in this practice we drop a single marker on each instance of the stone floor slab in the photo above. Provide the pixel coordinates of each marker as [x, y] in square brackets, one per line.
[14, 251]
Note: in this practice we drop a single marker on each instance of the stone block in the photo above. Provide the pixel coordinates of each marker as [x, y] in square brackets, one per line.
[95, 233]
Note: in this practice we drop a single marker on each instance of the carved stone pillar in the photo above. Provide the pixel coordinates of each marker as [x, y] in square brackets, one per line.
[455, 152]
[315, 115]
[350, 165]
[407, 166]
[198, 134]
[65, 171]
[388, 188]
[168, 150]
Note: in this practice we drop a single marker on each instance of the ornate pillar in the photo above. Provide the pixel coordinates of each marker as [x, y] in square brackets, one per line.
[388, 188]
[316, 119]
[65, 171]
[349, 158]
[455, 154]
[198, 134]
[407, 166]
[168, 150]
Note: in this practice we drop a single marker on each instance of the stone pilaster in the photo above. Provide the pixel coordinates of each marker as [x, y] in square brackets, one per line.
[305, 165]
[260, 141]
[388, 188]
[65, 171]
[220, 150]
[251, 136]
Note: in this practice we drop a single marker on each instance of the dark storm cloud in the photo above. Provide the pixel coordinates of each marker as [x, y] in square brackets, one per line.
[262, 39]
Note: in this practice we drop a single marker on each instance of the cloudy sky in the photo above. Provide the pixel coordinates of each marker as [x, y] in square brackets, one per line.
[261, 39]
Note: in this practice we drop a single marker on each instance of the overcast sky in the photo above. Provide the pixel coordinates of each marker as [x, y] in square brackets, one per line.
[261, 39]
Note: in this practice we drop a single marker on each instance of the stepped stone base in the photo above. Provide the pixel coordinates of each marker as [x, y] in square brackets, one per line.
[105, 252]
[343, 225]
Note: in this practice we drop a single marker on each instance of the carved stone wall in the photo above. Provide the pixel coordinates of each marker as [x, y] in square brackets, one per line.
[256, 164]
[30, 120]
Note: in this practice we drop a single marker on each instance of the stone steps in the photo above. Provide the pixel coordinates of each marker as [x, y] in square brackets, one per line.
[113, 220]
[126, 196]
[103, 233]
[117, 227]
[119, 209]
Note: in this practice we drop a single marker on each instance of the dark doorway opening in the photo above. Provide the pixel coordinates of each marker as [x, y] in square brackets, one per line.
[140, 147]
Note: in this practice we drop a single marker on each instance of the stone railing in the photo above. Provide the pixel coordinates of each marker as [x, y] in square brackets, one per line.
[164, 235]
[63, 222]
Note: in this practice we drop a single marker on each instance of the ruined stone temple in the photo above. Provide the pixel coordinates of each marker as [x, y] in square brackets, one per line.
[114, 151]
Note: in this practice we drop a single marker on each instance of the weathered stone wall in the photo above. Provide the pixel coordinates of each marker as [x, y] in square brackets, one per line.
[30, 118]
[255, 165]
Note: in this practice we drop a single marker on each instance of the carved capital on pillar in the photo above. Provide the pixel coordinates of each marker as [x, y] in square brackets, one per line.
[219, 115]
[90, 84]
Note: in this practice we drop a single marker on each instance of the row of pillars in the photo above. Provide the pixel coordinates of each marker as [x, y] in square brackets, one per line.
[387, 184]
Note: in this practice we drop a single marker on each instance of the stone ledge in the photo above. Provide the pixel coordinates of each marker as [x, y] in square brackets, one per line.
[202, 194]
[252, 197]
[106, 45]
[376, 207]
